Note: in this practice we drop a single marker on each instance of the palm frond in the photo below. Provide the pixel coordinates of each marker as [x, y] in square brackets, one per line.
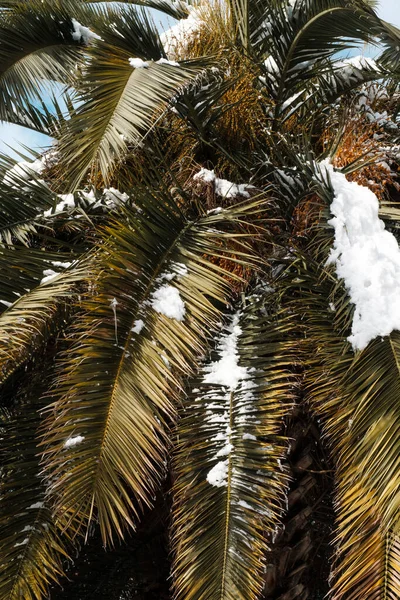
[241, 21]
[177, 9]
[356, 398]
[36, 46]
[300, 39]
[120, 101]
[31, 550]
[30, 320]
[333, 81]
[154, 304]
[230, 479]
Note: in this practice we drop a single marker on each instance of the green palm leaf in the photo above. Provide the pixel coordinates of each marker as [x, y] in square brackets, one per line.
[115, 389]
[31, 320]
[356, 398]
[230, 483]
[31, 551]
[177, 9]
[300, 39]
[36, 46]
[119, 101]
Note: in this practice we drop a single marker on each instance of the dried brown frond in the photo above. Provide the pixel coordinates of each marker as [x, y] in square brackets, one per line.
[306, 215]
[361, 141]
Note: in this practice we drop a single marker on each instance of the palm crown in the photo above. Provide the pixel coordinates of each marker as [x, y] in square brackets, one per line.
[160, 319]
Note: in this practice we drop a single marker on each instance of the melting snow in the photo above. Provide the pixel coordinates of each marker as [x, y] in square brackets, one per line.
[167, 301]
[367, 258]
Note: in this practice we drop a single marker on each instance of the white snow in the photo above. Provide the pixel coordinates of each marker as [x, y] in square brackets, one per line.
[37, 505]
[6, 303]
[114, 196]
[49, 274]
[62, 265]
[165, 61]
[23, 170]
[137, 326]
[249, 436]
[138, 63]
[223, 187]
[217, 476]
[23, 543]
[67, 201]
[271, 66]
[83, 33]
[178, 270]
[166, 300]
[180, 34]
[225, 450]
[367, 258]
[244, 504]
[227, 371]
[351, 68]
[74, 441]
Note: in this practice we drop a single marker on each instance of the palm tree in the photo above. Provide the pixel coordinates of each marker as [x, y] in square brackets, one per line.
[165, 328]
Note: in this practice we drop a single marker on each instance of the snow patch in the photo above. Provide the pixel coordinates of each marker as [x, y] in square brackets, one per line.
[82, 33]
[167, 301]
[249, 436]
[223, 187]
[180, 34]
[67, 201]
[227, 371]
[49, 274]
[23, 543]
[6, 303]
[138, 63]
[367, 258]
[23, 170]
[137, 326]
[218, 474]
[74, 441]
[165, 61]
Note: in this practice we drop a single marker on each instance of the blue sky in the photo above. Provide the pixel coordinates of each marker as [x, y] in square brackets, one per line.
[14, 135]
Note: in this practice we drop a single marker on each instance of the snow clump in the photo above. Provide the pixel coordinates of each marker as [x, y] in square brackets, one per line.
[24, 171]
[82, 33]
[367, 258]
[138, 63]
[218, 474]
[227, 373]
[223, 187]
[178, 36]
[166, 300]
[74, 441]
